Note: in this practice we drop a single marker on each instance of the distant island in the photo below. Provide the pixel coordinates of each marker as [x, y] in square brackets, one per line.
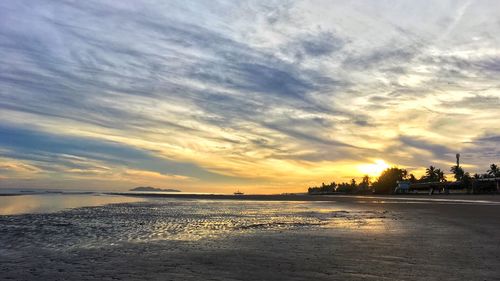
[150, 188]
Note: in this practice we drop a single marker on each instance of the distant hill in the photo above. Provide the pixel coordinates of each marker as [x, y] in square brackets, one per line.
[150, 188]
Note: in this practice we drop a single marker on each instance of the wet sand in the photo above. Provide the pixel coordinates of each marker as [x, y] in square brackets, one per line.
[344, 238]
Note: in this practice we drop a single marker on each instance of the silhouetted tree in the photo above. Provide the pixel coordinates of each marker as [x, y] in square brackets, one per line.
[494, 171]
[412, 178]
[353, 183]
[364, 185]
[388, 180]
[433, 174]
[365, 182]
[458, 172]
[430, 173]
[333, 185]
[440, 175]
[467, 182]
[324, 188]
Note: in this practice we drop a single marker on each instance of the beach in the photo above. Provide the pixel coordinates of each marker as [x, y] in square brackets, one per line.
[295, 237]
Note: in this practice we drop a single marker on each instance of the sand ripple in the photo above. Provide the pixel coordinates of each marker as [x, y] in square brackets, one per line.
[164, 219]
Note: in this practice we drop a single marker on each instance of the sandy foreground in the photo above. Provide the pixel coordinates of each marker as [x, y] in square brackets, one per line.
[336, 238]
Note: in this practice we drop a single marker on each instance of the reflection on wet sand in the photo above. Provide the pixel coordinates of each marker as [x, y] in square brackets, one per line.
[189, 239]
[366, 221]
[170, 219]
[48, 203]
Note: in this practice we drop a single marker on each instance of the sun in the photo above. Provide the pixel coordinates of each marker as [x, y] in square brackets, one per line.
[374, 169]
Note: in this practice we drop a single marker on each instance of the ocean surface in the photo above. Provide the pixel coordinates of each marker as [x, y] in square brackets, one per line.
[49, 203]
[36, 201]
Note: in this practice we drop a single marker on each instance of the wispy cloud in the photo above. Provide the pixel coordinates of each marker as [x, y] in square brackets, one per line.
[246, 92]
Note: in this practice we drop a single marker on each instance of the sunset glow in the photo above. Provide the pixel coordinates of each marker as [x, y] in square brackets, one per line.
[374, 169]
[261, 96]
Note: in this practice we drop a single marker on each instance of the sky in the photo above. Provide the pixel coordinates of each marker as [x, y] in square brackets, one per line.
[261, 96]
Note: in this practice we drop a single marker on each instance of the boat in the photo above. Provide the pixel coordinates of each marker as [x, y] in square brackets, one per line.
[238, 192]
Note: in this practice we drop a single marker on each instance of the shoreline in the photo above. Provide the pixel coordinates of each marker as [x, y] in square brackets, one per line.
[330, 197]
[284, 197]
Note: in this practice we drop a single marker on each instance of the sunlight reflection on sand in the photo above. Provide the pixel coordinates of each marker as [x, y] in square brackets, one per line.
[24, 204]
[181, 220]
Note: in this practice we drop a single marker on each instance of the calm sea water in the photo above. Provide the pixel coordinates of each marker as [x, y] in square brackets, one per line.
[54, 202]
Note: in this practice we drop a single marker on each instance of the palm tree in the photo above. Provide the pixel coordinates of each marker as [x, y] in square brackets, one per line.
[366, 180]
[412, 178]
[431, 173]
[440, 175]
[353, 183]
[494, 171]
[458, 172]
[466, 182]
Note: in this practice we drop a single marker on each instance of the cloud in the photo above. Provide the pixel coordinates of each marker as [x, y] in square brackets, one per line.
[244, 92]
[314, 45]
[377, 58]
[490, 139]
[475, 101]
[422, 144]
[46, 149]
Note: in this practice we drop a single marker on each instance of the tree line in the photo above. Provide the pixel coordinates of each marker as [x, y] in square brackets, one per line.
[388, 179]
